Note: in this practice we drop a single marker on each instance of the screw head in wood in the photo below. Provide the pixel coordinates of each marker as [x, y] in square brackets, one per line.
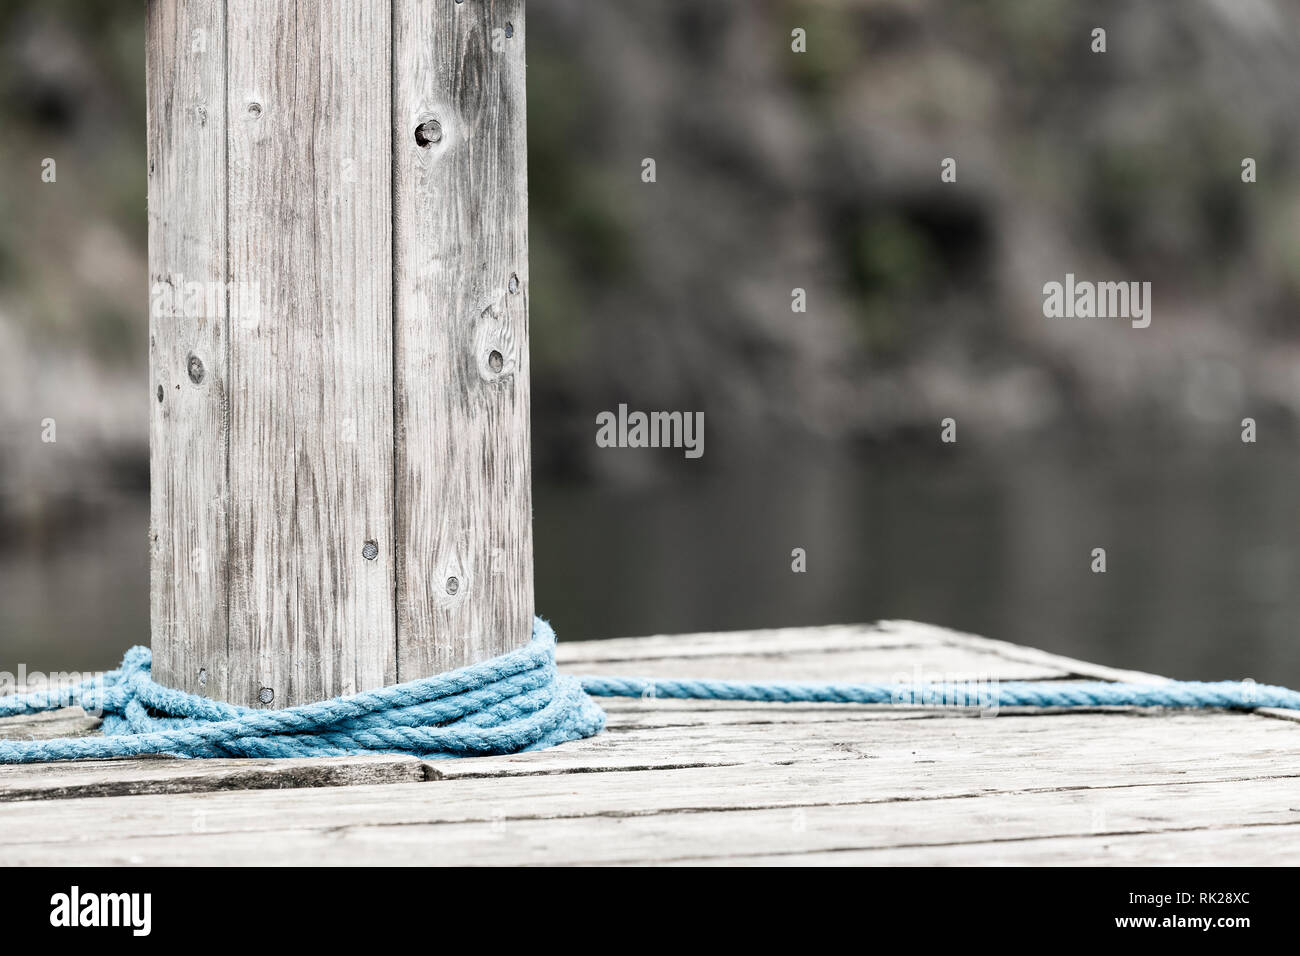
[452, 585]
[370, 550]
[266, 695]
[254, 110]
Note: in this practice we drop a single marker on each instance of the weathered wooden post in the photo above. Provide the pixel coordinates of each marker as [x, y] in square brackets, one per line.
[338, 255]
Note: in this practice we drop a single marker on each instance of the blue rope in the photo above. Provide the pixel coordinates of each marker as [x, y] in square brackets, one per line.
[515, 702]
[1230, 695]
[512, 703]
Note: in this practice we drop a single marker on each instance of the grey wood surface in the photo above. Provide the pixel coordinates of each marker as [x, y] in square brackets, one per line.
[188, 421]
[464, 497]
[311, 433]
[700, 782]
[340, 468]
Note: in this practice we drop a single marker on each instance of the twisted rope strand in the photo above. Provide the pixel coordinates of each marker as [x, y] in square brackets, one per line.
[512, 703]
[1232, 695]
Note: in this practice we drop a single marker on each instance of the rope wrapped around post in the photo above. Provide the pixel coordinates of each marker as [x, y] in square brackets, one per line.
[512, 703]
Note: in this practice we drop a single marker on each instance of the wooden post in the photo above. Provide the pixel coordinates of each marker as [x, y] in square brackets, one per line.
[338, 255]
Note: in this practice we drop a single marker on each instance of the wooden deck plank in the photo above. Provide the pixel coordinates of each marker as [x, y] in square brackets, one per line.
[403, 825]
[782, 643]
[96, 778]
[805, 785]
[1260, 845]
[66, 722]
[927, 756]
[901, 760]
[997, 748]
[632, 714]
[772, 641]
[900, 664]
[916, 630]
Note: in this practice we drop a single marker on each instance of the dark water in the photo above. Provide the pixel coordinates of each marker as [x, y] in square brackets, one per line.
[1203, 555]
[1202, 550]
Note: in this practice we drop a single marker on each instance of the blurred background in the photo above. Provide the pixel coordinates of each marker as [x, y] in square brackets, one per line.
[779, 170]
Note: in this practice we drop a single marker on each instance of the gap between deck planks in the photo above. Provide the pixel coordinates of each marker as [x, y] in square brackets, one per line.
[693, 781]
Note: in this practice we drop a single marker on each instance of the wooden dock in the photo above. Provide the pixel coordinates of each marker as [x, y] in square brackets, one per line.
[692, 782]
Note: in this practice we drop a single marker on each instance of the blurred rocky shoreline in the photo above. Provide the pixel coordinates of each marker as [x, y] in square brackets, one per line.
[775, 171]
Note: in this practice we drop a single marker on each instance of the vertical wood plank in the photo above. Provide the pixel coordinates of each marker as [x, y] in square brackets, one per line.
[311, 449]
[464, 515]
[340, 464]
[186, 107]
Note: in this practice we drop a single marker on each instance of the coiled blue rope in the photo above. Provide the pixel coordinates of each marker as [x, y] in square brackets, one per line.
[512, 703]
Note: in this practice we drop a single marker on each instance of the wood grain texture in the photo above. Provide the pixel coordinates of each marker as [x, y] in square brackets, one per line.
[834, 790]
[463, 497]
[118, 778]
[712, 782]
[292, 560]
[862, 643]
[65, 722]
[899, 664]
[947, 754]
[716, 815]
[189, 496]
[292, 446]
[310, 433]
